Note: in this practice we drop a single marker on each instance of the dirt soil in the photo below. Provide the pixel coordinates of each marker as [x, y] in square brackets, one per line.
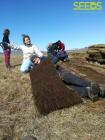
[84, 69]
[79, 66]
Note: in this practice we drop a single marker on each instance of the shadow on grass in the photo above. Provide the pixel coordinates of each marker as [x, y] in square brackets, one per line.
[13, 66]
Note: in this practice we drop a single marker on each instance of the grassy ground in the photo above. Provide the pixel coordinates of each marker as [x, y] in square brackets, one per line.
[19, 117]
[0, 60]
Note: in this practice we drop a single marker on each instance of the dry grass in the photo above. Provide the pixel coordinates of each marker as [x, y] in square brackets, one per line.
[18, 116]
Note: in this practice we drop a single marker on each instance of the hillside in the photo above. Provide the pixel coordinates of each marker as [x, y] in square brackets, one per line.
[19, 116]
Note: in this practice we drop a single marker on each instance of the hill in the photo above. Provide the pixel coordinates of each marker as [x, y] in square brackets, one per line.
[80, 50]
[96, 54]
[19, 117]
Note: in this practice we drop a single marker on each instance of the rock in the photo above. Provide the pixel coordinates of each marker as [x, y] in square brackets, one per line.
[96, 53]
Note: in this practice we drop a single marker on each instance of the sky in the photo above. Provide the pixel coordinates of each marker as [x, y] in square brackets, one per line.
[47, 21]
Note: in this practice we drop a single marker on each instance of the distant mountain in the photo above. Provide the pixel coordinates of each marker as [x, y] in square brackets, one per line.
[97, 46]
[76, 50]
[16, 52]
[85, 49]
[80, 50]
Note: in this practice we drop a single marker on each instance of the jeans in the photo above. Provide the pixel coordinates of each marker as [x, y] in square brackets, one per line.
[27, 65]
[54, 59]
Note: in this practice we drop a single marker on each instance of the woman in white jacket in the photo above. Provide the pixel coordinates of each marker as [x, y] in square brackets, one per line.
[29, 50]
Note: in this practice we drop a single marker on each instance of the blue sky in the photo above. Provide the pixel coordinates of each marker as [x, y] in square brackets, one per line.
[47, 21]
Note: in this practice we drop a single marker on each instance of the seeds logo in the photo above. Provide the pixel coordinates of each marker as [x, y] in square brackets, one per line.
[83, 5]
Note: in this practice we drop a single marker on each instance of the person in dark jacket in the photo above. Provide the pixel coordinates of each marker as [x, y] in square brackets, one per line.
[84, 87]
[56, 52]
[6, 49]
[52, 50]
[61, 45]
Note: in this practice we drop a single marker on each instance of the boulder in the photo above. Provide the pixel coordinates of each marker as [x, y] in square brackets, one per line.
[96, 53]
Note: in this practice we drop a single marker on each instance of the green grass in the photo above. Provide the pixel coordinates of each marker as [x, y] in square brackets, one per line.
[1, 60]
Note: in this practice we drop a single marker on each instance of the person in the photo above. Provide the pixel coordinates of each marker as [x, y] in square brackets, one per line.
[6, 49]
[83, 87]
[61, 45]
[56, 52]
[29, 50]
[51, 52]
[61, 54]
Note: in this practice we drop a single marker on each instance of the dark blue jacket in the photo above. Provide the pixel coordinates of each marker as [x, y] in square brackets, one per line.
[4, 41]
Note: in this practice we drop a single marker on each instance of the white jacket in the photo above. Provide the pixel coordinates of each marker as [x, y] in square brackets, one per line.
[29, 51]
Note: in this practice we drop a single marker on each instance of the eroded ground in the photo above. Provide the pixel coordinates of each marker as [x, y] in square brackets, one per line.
[18, 115]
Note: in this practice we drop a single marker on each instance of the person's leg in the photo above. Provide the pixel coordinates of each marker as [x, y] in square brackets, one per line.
[83, 87]
[26, 66]
[82, 91]
[91, 92]
[6, 58]
[102, 91]
[9, 55]
[62, 55]
[54, 59]
[72, 79]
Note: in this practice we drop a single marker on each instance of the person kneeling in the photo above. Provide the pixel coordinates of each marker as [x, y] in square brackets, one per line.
[29, 50]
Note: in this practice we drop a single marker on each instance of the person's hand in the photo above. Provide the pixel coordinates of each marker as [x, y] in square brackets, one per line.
[10, 45]
[1, 44]
[37, 60]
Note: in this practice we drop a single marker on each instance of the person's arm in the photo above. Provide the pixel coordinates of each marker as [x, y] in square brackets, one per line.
[5, 45]
[14, 46]
[39, 54]
[5, 39]
[1, 44]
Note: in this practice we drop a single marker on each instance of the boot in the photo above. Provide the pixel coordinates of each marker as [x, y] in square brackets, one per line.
[102, 91]
[93, 91]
